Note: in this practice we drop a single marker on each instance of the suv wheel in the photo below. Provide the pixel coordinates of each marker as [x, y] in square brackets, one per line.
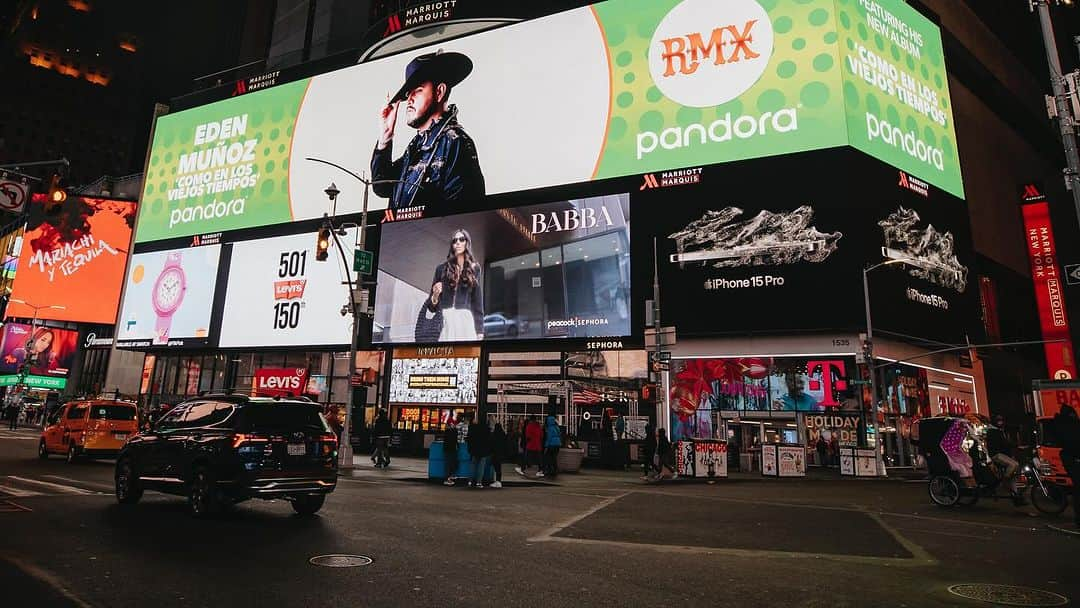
[308, 504]
[201, 494]
[72, 453]
[42, 451]
[128, 490]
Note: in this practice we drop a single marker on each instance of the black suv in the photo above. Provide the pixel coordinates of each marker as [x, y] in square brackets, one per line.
[219, 450]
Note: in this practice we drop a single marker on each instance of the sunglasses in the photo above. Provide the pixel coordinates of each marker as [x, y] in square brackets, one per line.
[457, 239]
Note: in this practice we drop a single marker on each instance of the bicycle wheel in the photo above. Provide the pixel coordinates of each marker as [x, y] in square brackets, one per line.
[1051, 501]
[943, 491]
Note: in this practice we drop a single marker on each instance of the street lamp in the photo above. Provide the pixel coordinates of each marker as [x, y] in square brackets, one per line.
[345, 452]
[869, 350]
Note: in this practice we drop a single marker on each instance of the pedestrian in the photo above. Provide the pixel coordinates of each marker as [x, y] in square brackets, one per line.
[498, 450]
[382, 440]
[450, 452]
[552, 443]
[648, 451]
[534, 446]
[822, 451]
[620, 427]
[479, 441]
[1067, 429]
[665, 457]
[13, 415]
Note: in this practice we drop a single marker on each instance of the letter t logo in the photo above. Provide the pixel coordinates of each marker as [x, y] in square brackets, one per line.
[827, 367]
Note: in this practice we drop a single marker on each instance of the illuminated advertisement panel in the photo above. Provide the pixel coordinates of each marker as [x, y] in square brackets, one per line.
[278, 295]
[557, 270]
[435, 375]
[168, 299]
[620, 88]
[51, 350]
[67, 255]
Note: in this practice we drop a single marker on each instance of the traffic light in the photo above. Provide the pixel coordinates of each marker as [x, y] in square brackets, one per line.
[56, 195]
[322, 245]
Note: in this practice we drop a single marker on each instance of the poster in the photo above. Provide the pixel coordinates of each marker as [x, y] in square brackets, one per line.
[792, 461]
[669, 84]
[81, 249]
[710, 458]
[768, 460]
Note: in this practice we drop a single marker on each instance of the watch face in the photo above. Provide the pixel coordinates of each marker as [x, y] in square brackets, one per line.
[169, 290]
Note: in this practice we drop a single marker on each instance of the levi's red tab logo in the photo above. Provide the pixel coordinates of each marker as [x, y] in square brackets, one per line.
[289, 290]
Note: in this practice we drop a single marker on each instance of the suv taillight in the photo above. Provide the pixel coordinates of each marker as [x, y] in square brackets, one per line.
[329, 443]
[242, 438]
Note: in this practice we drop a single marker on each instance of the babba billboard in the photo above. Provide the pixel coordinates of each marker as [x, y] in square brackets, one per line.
[619, 88]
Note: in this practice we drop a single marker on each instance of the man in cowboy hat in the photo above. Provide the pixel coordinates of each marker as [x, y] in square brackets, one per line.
[439, 166]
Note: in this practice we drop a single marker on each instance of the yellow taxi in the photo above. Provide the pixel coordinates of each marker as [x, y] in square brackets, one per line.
[93, 428]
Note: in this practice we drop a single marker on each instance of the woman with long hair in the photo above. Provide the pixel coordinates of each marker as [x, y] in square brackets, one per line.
[457, 292]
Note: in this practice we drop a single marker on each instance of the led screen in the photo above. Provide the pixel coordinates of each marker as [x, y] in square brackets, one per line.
[557, 270]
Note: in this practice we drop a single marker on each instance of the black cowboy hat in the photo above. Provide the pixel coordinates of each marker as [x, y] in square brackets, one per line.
[450, 68]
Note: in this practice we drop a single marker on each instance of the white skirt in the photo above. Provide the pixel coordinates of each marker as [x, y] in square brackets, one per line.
[458, 325]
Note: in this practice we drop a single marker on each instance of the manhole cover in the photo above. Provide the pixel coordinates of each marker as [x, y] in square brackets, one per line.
[349, 561]
[1008, 595]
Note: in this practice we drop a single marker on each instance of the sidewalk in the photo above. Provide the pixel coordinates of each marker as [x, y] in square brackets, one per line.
[413, 469]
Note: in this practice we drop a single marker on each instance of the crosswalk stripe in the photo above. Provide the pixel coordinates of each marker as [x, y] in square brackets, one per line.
[85, 483]
[17, 493]
[55, 486]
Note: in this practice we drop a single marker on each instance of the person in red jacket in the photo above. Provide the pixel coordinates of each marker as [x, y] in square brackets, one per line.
[534, 447]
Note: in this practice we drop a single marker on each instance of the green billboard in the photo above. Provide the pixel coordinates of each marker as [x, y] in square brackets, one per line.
[619, 88]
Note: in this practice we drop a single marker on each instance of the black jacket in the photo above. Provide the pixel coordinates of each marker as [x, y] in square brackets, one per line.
[997, 442]
[382, 427]
[438, 170]
[1067, 429]
[498, 442]
[463, 297]
[450, 440]
[479, 440]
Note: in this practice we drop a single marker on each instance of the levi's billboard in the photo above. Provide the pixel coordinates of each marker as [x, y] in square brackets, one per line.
[278, 295]
[619, 88]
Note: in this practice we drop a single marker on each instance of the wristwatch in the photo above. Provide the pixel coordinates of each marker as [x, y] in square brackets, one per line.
[168, 293]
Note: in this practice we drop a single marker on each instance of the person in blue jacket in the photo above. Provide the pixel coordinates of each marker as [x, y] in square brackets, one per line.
[552, 443]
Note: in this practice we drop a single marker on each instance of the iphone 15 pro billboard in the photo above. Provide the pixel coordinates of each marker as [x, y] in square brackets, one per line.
[556, 270]
[619, 88]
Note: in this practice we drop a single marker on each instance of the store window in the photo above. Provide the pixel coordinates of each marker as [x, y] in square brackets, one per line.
[703, 388]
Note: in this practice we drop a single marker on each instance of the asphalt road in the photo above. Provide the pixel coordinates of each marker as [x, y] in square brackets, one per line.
[596, 538]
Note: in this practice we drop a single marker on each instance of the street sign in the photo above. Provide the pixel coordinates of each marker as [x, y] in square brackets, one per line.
[362, 261]
[663, 356]
[667, 337]
[13, 195]
[1072, 274]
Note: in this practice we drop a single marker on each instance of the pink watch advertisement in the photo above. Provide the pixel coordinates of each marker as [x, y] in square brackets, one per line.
[169, 297]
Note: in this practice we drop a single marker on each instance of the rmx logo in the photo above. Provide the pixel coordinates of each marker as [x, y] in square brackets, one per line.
[704, 52]
[393, 25]
[650, 182]
[239, 89]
